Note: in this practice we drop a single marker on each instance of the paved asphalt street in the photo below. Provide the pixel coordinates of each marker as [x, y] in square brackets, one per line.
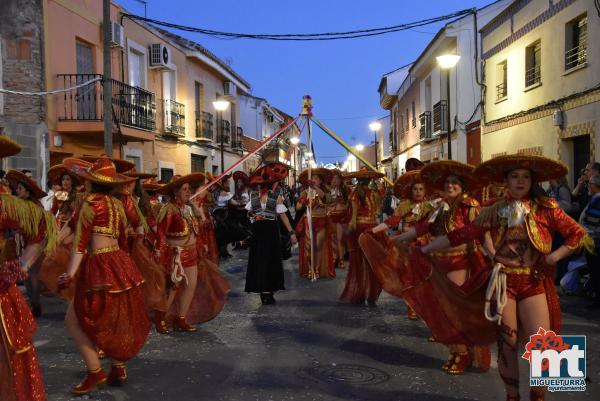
[306, 347]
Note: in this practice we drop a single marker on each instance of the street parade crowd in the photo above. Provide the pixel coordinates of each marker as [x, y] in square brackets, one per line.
[468, 249]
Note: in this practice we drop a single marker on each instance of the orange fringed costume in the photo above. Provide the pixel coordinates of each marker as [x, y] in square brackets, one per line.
[179, 221]
[20, 375]
[325, 267]
[108, 301]
[361, 283]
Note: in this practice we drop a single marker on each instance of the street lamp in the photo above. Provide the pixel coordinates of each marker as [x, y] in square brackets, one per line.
[375, 127]
[221, 106]
[295, 141]
[447, 62]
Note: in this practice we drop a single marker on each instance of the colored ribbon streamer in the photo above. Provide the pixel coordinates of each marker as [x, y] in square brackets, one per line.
[347, 147]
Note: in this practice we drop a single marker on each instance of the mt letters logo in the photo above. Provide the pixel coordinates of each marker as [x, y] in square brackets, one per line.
[555, 361]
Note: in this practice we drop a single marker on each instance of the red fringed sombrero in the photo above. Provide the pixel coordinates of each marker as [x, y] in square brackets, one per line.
[151, 185]
[102, 171]
[434, 175]
[269, 173]
[240, 175]
[222, 183]
[543, 168]
[120, 164]
[364, 174]
[403, 184]
[57, 172]
[322, 172]
[8, 147]
[178, 181]
[15, 177]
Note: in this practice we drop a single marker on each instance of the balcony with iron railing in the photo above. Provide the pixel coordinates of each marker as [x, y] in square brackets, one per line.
[237, 140]
[132, 106]
[577, 55]
[533, 76]
[174, 117]
[223, 131]
[204, 126]
[425, 125]
[439, 117]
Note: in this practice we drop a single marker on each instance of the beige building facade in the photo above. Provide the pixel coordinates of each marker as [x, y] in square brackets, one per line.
[543, 82]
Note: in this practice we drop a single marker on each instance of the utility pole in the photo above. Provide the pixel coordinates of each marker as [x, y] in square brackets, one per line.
[106, 80]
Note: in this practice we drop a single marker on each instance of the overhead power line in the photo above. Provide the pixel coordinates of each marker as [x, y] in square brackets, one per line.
[303, 36]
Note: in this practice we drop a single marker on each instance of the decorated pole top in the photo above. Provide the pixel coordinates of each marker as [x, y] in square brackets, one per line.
[307, 105]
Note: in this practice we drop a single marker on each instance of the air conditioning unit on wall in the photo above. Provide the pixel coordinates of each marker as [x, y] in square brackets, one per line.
[229, 88]
[160, 56]
[117, 34]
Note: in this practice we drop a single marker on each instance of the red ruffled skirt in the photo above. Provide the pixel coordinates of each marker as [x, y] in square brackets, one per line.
[207, 241]
[109, 304]
[361, 283]
[154, 286]
[52, 267]
[20, 375]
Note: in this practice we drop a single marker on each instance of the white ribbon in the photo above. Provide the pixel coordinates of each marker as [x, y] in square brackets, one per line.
[177, 270]
[496, 285]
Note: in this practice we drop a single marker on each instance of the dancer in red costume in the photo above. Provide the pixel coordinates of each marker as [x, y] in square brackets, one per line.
[323, 244]
[108, 310]
[456, 267]
[27, 189]
[521, 225]
[208, 239]
[361, 283]
[413, 206]
[196, 285]
[338, 211]
[20, 375]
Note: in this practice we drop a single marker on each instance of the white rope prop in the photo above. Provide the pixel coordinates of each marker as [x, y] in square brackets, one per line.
[496, 285]
[177, 270]
[54, 92]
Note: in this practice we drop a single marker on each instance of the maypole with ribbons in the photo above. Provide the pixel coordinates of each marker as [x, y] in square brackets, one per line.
[307, 113]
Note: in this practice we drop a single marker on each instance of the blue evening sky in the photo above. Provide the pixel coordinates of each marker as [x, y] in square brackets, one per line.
[342, 76]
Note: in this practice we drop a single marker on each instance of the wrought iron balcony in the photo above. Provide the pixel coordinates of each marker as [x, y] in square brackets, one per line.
[223, 131]
[174, 117]
[204, 126]
[237, 141]
[439, 117]
[533, 76]
[425, 125]
[501, 91]
[577, 55]
[132, 106]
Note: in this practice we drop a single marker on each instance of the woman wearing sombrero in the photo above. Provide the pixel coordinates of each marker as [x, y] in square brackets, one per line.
[323, 244]
[365, 203]
[521, 225]
[264, 275]
[67, 199]
[20, 375]
[383, 256]
[107, 311]
[338, 212]
[197, 290]
[455, 267]
[207, 237]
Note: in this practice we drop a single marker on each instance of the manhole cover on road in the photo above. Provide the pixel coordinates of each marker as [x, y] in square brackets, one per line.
[356, 375]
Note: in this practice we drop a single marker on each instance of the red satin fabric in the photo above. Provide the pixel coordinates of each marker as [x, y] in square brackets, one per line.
[325, 268]
[109, 304]
[155, 281]
[207, 241]
[361, 283]
[20, 375]
[52, 267]
[210, 295]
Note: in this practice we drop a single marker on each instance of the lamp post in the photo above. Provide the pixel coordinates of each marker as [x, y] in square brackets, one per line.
[375, 127]
[220, 106]
[447, 62]
[295, 141]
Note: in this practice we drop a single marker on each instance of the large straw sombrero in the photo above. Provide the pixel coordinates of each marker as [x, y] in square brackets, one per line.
[57, 172]
[102, 171]
[15, 177]
[434, 175]
[403, 184]
[364, 174]
[8, 147]
[151, 185]
[121, 165]
[322, 172]
[269, 173]
[178, 180]
[543, 168]
[221, 183]
[413, 163]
